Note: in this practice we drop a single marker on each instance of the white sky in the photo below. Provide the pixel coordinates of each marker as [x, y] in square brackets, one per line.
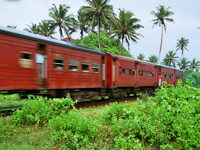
[186, 16]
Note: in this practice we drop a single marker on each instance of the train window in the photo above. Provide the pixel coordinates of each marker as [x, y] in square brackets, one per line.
[73, 65]
[127, 71]
[123, 71]
[59, 63]
[120, 70]
[95, 67]
[85, 66]
[133, 72]
[140, 72]
[163, 75]
[130, 71]
[26, 60]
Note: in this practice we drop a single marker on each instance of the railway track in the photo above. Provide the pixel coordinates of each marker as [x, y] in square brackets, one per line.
[8, 110]
[99, 103]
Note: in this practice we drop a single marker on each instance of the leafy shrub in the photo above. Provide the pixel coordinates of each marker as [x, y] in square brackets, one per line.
[193, 77]
[73, 130]
[170, 120]
[116, 112]
[108, 44]
[62, 105]
[39, 110]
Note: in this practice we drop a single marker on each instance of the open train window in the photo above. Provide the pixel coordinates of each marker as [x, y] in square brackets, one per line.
[127, 71]
[95, 67]
[59, 63]
[133, 72]
[73, 65]
[123, 71]
[26, 60]
[120, 70]
[85, 66]
[130, 71]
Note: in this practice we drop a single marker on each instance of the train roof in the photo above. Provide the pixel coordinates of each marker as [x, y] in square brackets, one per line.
[40, 38]
[146, 62]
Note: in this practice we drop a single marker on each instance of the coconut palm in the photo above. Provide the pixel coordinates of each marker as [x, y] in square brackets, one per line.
[82, 24]
[11, 26]
[184, 64]
[153, 59]
[141, 57]
[33, 28]
[182, 45]
[46, 28]
[161, 16]
[62, 20]
[125, 27]
[170, 59]
[195, 65]
[99, 13]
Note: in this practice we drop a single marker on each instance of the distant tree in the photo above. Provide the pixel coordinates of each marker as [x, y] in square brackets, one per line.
[62, 20]
[184, 64]
[141, 57]
[83, 24]
[33, 28]
[125, 27]
[11, 26]
[161, 16]
[170, 59]
[99, 13]
[109, 44]
[194, 65]
[153, 59]
[182, 45]
[46, 28]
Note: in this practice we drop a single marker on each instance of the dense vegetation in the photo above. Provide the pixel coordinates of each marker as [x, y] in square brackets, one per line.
[170, 120]
[192, 77]
[110, 45]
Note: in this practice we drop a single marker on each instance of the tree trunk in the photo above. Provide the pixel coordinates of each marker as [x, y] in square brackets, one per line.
[181, 54]
[122, 45]
[99, 36]
[161, 41]
[81, 34]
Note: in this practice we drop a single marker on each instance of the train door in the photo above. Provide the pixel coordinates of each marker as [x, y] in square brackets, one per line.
[41, 64]
[113, 71]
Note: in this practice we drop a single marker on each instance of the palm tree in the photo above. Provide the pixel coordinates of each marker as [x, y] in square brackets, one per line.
[182, 45]
[184, 64]
[161, 16]
[46, 28]
[141, 57]
[153, 59]
[33, 28]
[11, 26]
[62, 20]
[195, 65]
[170, 59]
[99, 13]
[125, 27]
[82, 24]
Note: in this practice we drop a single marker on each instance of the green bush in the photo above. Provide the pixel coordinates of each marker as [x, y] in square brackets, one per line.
[193, 77]
[74, 130]
[170, 120]
[62, 105]
[110, 45]
[39, 110]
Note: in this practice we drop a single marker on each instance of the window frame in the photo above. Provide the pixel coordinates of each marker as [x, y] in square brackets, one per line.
[72, 65]
[63, 64]
[96, 67]
[88, 63]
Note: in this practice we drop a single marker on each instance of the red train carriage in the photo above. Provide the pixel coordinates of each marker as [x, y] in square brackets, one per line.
[33, 62]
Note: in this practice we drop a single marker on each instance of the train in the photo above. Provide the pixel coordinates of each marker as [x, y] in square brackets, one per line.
[32, 63]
